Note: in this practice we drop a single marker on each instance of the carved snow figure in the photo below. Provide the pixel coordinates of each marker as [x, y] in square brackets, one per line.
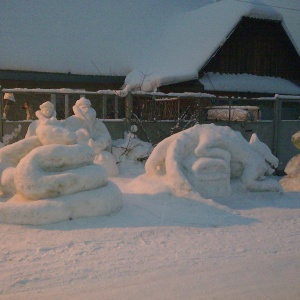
[204, 158]
[291, 182]
[58, 167]
[92, 132]
[48, 165]
[45, 114]
[87, 127]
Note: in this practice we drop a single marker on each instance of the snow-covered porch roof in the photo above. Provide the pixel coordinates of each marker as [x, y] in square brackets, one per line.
[248, 83]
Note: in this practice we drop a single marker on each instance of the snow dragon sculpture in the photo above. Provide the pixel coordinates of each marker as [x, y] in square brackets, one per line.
[204, 158]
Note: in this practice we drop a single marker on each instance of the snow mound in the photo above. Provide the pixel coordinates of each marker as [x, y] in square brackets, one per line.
[131, 148]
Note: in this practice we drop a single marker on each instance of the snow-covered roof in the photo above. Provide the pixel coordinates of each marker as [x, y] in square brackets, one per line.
[248, 83]
[151, 42]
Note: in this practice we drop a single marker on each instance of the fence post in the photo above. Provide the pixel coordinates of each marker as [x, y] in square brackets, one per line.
[104, 106]
[53, 100]
[116, 106]
[67, 105]
[128, 106]
[229, 111]
[276, 122]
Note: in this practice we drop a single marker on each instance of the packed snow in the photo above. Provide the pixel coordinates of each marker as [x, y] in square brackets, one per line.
[135, 237]
[158, 246]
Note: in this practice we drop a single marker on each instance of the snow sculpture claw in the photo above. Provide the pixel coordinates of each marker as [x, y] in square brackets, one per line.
[204, 158]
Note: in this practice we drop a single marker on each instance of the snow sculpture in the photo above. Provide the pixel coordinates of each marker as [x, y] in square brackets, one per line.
[92, 132]
[88, 128]
[291, 182]
[57, 169]
[204, 158]
[53, 164]
[10, 156]
[46, 113]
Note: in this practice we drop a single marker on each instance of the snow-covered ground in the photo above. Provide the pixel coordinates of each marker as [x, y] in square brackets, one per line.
[158, 246]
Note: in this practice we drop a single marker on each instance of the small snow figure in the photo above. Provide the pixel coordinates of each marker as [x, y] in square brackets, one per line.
[9, 100]
[93, 132]
[46, 113]
[88, 128]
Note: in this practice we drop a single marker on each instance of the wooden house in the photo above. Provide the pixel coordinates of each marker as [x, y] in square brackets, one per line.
[176, 48]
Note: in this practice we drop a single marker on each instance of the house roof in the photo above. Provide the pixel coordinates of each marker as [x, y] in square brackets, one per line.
[152, 43]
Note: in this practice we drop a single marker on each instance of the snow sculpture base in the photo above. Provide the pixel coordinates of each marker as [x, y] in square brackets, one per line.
[210, 177]
[99, 202]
